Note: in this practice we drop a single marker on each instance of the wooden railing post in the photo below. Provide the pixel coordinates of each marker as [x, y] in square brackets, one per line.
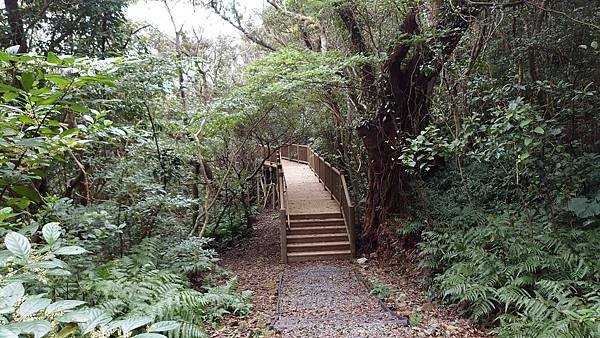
[349, 212]
[351, 224]
[282, 211]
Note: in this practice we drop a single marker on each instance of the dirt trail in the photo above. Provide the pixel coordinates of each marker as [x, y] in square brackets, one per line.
[328, 299]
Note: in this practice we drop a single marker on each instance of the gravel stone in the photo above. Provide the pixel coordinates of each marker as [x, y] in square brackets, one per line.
[326, 299]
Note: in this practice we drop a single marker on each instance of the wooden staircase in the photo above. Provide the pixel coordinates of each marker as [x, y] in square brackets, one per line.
[315, 209]
[319, 236]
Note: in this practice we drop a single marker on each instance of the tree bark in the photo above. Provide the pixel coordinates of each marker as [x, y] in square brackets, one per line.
[402, 95]
[17, 29]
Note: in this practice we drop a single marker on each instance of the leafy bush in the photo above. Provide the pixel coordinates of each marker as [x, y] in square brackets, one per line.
[140, 290]
[531, 273]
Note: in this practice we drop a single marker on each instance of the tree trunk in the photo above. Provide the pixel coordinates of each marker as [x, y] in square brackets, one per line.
[402, 96]
[15, 21]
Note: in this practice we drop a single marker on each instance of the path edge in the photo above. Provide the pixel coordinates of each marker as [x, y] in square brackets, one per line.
[271, 325]
[404, 320]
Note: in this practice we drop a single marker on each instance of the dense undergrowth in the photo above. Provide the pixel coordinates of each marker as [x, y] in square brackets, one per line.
[148, 290]
[109, 218]
[530, 273]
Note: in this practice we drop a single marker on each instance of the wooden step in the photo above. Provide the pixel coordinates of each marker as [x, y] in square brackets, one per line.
[316, 222]
[319, 255]
[317, 238]
[317, 230]
[316, 216]
[318, 246]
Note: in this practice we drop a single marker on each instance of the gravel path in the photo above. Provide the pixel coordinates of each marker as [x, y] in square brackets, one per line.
[327, 299]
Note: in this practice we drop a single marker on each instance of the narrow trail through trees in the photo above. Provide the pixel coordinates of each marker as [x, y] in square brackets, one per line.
[328, 299]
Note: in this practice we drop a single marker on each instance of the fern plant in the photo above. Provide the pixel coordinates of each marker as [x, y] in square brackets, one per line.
[151, 281]
[515, 268]
[134, 296]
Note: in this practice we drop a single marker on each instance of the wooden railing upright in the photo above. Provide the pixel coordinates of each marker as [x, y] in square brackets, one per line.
[283, 214]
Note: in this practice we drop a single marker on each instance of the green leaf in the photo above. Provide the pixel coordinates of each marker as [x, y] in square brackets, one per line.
[27, 120]
[8, 88]
[11, 294]
[88, 118]
[525, 122]
[27, 80]
[38, 328]
[68, 132]
[53, 58]
[527, 141]
[130, 324]
[79, 316]
[79, 108]
[49, 100]
[163, 326]
[70, 250]
[46, 265]
[51, 232]
[32, 306]
[4, 56]
[6, 333]
[17, 244]
[94, 318]
[583, 207]
[539, 130]
[26, 191]
[63, 305]
[20, 203]
[149, 335]
[58, 80]
[9, 96]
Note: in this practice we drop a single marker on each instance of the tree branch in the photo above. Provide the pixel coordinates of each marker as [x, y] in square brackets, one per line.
[236, 22]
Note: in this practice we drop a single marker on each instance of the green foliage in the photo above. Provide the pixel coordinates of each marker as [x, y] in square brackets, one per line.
[96, 28]
[380, 289]
[537, 277]
[95, 145]
[149, 282]
[134, 290]
[34, 133]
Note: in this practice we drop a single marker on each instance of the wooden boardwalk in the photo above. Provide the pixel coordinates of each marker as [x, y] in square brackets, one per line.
[306, 194]
[316, 225]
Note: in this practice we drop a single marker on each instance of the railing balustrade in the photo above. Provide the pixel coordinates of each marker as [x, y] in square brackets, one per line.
[333, 179]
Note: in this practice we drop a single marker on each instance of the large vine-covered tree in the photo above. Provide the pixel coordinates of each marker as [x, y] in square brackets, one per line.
[399, 94]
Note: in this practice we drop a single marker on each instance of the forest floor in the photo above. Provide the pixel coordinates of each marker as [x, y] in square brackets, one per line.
[255, 260]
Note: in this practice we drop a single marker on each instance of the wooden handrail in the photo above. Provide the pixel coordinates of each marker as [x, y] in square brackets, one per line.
[283, 214]
[333, 179]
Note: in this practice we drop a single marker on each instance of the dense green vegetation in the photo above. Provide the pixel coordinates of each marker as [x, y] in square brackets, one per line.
[468, 130]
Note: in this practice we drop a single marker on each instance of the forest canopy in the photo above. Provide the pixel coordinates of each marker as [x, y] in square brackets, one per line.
[130, 157]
